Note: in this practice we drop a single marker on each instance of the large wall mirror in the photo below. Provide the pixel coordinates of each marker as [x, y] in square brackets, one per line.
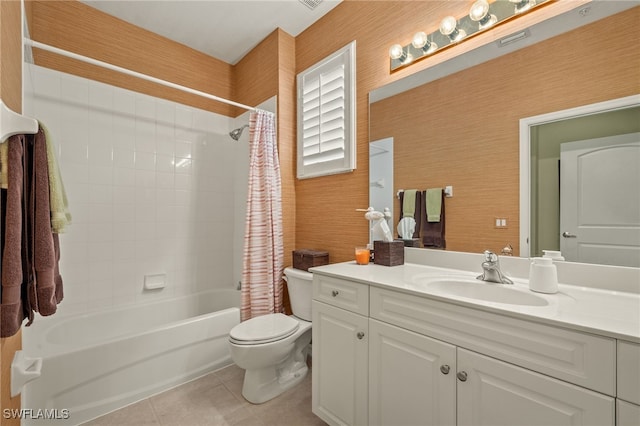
[459, 124]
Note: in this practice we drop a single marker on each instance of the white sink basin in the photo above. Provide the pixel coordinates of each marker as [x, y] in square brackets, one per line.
[488, 292]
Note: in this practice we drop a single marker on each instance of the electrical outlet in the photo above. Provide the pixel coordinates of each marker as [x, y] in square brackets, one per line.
[500, 222]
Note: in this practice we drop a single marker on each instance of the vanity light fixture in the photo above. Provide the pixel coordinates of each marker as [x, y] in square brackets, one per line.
[480, 13]
[483, 15]
[449, 27]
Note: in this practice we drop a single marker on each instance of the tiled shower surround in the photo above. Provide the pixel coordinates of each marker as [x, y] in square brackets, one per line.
[154, 187]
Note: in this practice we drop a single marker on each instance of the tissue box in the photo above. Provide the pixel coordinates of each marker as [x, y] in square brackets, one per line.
[414, 242]
[388, 253]
[305, 258]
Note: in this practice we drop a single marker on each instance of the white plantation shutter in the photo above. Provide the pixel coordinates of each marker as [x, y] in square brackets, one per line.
[326, 115]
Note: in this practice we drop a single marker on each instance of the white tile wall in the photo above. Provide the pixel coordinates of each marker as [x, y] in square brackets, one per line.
[152, 189]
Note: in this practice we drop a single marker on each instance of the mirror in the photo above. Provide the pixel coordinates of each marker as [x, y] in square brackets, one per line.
[456, 124]
[381, 176]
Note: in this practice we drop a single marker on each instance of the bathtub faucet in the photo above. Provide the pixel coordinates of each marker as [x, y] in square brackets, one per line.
[491, 269]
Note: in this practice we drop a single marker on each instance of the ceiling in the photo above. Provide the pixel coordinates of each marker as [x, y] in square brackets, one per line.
[224, 29]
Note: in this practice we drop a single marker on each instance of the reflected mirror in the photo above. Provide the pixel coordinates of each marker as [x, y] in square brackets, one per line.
[381, 176]
[460, 126]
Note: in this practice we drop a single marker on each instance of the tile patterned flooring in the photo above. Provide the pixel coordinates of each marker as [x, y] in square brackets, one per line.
[216, 400]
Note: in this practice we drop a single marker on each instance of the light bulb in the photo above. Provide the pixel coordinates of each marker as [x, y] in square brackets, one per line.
[420, 41]
[480, 13]
[448, 27]
[523, 5]
[396, 52]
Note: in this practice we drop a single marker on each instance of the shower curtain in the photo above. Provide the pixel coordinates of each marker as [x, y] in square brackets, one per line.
[263, 242]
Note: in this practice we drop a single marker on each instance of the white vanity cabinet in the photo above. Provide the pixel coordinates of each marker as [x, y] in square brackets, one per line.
[340, 336]
[421, 361]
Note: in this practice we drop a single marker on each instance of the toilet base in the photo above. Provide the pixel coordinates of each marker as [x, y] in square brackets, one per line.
[262, 385]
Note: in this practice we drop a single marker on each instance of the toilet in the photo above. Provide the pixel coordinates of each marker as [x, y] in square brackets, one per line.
[273, 348]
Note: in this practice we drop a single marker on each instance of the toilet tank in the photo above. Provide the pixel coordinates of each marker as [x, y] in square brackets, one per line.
[299, 285]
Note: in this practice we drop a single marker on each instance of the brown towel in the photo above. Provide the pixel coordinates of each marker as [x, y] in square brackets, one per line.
[45, 257]
[417, 216]
[30, 251]
[14, 254]
[433, 232]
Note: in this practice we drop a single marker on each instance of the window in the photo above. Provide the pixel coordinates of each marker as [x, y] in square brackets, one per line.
[326, 116]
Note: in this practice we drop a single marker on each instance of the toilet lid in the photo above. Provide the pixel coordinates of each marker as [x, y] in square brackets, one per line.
[265, 328]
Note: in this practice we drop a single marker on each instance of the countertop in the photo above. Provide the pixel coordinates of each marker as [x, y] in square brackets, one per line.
[602, 312]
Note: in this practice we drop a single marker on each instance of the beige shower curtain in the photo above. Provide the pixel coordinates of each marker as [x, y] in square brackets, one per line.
[263, 241]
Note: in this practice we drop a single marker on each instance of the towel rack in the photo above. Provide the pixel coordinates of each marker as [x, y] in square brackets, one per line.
[12, 123]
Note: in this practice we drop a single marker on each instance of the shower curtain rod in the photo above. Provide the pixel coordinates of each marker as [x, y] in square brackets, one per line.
[102, 64]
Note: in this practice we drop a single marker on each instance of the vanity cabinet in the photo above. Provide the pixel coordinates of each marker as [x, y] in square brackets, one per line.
[410, 360]
[340, 359]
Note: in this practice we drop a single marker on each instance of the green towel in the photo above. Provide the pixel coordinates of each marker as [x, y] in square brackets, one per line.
[59, 205]
[433, 202]
[409, 203]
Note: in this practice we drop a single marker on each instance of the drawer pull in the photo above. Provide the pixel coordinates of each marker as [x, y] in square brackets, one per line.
[334, 293]
[462, 376]
[445, 369]
[360, 335]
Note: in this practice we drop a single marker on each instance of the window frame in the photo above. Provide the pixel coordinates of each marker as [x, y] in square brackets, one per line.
[347, 163]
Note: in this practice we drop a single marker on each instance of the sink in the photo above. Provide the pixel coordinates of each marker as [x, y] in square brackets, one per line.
[487, 292]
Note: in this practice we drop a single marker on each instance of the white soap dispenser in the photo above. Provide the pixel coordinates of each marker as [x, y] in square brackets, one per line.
[543, 276]
[553, 254]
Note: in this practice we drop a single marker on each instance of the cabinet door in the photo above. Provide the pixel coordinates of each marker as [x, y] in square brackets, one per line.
[492, 392]
[411, 378]
[628, 414]
[629, 371]
[340, 365]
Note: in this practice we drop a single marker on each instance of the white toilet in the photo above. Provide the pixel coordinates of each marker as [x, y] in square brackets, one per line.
[273, 348]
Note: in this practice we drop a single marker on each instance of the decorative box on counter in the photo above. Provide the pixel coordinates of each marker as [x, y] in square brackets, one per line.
[388, 253]
[414, 242]
[306, 258]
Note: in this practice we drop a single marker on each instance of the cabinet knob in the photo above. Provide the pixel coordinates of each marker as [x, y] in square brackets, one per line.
[445, 369]
[334, 293]
[462, 376]
[360, 335]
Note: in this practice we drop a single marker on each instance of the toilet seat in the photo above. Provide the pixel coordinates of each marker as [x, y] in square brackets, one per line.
[263, 329]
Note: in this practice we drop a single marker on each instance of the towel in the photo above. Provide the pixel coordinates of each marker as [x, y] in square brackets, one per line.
[409, 203]
[60, 215]
[433, 232]
[433, 201]
[14, 252]
[4, 158]
[45, 257]
[415, 207]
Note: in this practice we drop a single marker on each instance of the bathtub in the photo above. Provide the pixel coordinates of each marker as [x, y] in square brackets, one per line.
[97, 363]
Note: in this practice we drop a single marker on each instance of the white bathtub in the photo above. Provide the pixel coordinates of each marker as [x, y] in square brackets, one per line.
[94, 364]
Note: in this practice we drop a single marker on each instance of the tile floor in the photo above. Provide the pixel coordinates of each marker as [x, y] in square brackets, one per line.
[214, 400]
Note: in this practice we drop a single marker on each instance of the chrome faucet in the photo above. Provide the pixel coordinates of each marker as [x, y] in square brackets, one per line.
[491, 269]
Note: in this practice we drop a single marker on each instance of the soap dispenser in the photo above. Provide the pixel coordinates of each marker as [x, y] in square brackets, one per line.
[543, 276]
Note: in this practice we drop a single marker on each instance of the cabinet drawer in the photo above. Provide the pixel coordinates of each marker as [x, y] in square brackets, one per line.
[629, 371]
[344, 294]
[579, 358]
